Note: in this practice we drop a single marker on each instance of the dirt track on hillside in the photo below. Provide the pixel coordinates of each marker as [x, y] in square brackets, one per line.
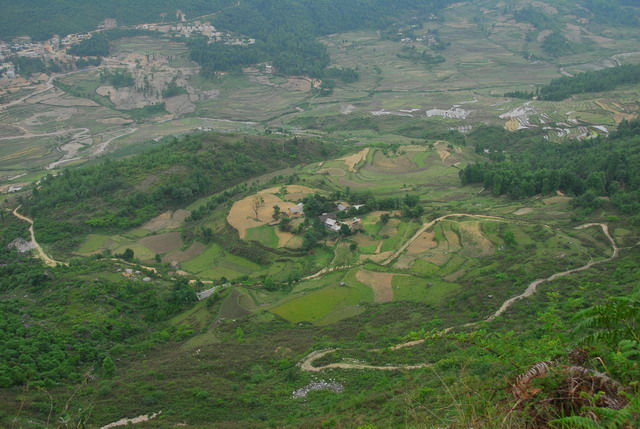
[307, 363]
[40, 253]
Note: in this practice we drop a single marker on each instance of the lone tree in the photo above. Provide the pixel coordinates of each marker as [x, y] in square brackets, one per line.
[276, 212]
[256, 204]
[128, 254]
[108, 367]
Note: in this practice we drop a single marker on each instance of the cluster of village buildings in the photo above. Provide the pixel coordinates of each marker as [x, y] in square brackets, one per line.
[24, 47]
[330, 220]
[209, 31]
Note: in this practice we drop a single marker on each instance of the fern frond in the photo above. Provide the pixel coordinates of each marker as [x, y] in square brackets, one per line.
[575, 422]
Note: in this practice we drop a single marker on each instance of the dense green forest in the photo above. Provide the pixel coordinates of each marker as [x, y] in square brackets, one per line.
[536, 17]
[40, 19]
[286, 31]
[588, 170]
[593, 81]
[623, 12]
[97, 46]
[47, 341]
[110, 195]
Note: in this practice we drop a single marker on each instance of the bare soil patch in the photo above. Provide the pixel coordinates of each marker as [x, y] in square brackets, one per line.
[162, 243]
[283, 237]
[523, 211]
[292, 189]
[455, 276]
[617, 115]
[364, 240]
[556, 200]
[375, 216]
[543, 35]
[546, 7]
[167, 220]
[392, 165]
[453, 241]
[295, 196]
[242, 215]
[333, 172]
[105, 90]
[440, 258]
[444, 154]
[297, 192]
[185, 255]
[376, 258]
[423, 243]
[70, 102]
[353, 160]
[474, 239]
[512, 125]
[353, 184]
[114, 121]
[404, 262]
[390, 229]
[381, 283]
[179, 105]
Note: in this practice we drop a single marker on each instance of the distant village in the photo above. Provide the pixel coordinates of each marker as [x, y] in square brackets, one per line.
[52, 49]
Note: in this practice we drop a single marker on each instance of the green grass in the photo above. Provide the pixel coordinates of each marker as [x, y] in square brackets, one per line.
[420, 158]
[373, 229]
[204, 260]
[408, 288]
[139, 251]
[215, 263]
[406, 230]
[317, 305]
[329, 279]
[264, 234]
[139, 233]
[452, 265]
[368, 250]
[424, 268]
[94, 243]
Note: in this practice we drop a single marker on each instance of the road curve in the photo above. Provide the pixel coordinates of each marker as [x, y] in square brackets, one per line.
[429, 225]
[307, 363]
[40, 253]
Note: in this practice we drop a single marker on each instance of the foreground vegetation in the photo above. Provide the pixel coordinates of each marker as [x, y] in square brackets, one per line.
[130, 344]
[425, 307]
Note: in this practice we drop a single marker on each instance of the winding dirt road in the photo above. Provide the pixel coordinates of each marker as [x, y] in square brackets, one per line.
[40, 253]
[429, 225]
[307, 363]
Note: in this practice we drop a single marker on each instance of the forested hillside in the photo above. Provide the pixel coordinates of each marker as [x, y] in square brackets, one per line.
[41, 19]
[118, 194]
[588, 170]
[47, 341]
[286, 31]
[593, 81]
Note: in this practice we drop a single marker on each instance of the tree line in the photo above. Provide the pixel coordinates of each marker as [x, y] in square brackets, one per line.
[110, 195]
[592, 81]
[587, 170]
